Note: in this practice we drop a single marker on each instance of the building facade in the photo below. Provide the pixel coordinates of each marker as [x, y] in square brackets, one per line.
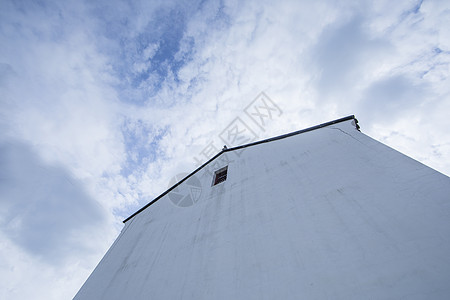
[322, 213]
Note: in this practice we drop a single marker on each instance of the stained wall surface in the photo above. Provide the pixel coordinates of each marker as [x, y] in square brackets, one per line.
[326, 214]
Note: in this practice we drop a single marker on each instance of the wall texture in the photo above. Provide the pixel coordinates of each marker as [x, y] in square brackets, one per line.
[329, 213]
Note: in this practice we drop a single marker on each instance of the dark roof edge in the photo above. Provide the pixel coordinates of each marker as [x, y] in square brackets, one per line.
[351, 117]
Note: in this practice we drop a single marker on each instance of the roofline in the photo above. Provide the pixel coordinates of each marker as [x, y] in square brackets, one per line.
[351, 117]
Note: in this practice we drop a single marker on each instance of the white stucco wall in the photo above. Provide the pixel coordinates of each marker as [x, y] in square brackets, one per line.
[327, 214]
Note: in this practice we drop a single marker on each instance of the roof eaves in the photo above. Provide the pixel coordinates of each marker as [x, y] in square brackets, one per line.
[351, 117]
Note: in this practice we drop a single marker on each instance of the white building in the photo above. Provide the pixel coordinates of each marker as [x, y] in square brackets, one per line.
[322, 213]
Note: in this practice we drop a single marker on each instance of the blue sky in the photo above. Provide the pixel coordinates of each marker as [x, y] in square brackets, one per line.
[102, 103]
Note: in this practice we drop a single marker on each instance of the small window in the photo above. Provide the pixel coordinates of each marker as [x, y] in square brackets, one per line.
[220, 175]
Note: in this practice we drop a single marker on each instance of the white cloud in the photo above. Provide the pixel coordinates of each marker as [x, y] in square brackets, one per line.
[48, 223]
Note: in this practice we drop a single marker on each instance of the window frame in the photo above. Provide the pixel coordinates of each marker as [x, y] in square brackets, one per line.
[220, 176]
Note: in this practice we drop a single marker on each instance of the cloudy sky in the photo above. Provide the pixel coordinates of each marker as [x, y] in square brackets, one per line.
[103, 102]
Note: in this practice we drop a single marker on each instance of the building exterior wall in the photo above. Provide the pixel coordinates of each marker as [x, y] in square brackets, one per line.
[329, 213]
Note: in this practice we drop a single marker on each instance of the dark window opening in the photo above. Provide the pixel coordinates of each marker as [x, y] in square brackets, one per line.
[220, 175]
